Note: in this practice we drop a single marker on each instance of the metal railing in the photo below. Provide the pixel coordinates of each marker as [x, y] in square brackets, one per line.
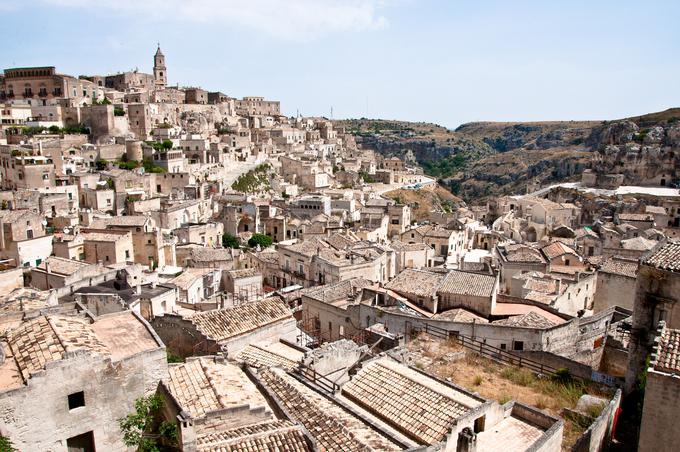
[317, 379]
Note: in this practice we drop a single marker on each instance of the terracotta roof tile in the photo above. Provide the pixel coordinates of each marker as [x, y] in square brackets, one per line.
[222, 324]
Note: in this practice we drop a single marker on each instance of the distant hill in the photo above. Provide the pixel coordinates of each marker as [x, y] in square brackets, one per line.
[482, 159]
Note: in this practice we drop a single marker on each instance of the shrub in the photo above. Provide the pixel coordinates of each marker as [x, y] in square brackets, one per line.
[141, 430]
[595, 410]
[229, 241]
[260, 239]
[118, 111]
[518, 376]
[563, 376]
[504, 398]
[172, 358]
[477, 380]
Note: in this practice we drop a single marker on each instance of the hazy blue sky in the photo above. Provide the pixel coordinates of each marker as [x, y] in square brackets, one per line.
[424, 60]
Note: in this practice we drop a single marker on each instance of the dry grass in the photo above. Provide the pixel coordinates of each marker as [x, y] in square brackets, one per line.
[503, 383]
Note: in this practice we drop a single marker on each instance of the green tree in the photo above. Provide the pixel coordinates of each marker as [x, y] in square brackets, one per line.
[6, 445]
[167, 144]
[260, 239]
[54, 129]
[142, 429]
[101, 164]
[229, 241]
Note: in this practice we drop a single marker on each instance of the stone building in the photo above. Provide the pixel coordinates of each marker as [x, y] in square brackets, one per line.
[68, 380]
[43, 86]
[657, 298]
[661, 408]
[226, 330]
[616, 284]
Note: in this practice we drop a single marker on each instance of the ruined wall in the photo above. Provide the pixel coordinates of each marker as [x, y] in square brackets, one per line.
[37, 416]
[596, 438]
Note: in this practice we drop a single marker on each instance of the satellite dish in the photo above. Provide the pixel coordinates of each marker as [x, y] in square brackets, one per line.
[66, 230]
[44, 222]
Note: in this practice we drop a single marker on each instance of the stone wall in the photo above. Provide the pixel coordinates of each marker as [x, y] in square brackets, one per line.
[614, 290]
[659, 430]
[596, 438]
[37, 416]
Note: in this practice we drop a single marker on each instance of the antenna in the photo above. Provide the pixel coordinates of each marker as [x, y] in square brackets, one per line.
[331, 112]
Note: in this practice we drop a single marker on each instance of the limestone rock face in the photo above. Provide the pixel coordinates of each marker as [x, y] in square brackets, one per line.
[673, 136]
[620, 132]
[654, 135]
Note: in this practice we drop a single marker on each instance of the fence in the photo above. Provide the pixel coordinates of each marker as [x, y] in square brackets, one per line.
[499, 354]
[323, 383]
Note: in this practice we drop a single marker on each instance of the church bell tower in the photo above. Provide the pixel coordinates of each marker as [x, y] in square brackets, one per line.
[160, 74]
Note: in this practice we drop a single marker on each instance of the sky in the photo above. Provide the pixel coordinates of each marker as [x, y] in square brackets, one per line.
[447, 62]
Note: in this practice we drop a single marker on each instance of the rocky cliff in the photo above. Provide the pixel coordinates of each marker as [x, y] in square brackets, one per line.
[483, 159]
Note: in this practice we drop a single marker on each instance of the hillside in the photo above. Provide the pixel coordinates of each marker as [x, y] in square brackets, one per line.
[483, 159]
[425, 200]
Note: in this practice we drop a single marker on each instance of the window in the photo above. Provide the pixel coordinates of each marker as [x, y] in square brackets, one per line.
[127, 254]
[75, 400]
[81, 443]
[518, 345]
[503, 347]
[479, 424]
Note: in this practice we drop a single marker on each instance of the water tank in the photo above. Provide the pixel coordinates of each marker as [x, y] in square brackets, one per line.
[133, 150]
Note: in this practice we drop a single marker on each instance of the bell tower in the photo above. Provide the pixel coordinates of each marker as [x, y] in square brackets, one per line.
[160, 74]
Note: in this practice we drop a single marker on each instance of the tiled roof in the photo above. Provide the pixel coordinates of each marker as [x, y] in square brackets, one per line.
[62, 266]
[530, 320]
[257, 356]
[619, 266]
[202, 385]
[243, 273]
[667, 356]
[203, 254]
[46, 339]
[398, 245]
[667, 257]
[460, 315]
[327, 430]
[343, 291]
[417, 410]
[417, 282]
[523, 253]
[120, 220]
[268, 436]
[557, 249]
[222, 324]
[465, 283]
[24, 299]
[638, 244]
